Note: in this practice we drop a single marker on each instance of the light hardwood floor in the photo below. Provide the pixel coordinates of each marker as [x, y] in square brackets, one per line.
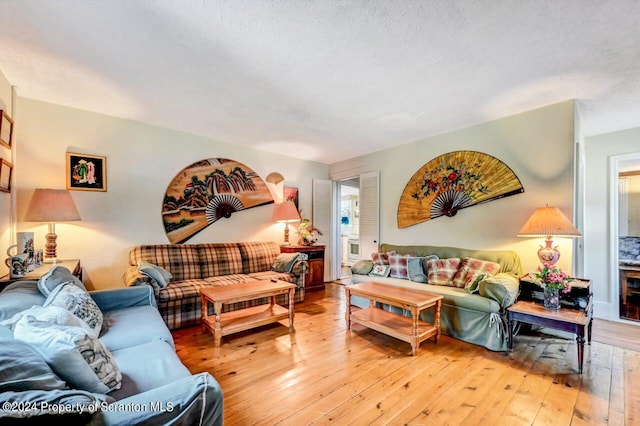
[325, 374]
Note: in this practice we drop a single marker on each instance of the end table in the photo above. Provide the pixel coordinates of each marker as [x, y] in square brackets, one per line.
[72, 265]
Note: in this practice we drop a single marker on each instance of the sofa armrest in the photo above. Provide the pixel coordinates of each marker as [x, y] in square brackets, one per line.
[502, 287]
[300, 268]
[119, 298]
[193, 400]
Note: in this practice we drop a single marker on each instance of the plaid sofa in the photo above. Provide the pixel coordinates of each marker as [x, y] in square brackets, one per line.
[196, 266]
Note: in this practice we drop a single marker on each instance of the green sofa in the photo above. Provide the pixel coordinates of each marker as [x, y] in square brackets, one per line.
[478, 318]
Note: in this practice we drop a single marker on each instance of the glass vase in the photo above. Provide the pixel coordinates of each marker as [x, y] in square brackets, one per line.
[551, 298]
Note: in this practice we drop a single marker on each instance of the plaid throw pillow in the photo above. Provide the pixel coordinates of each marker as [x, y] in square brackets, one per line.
[381, 258]
[470, 267]
[441, 271]
[398, 263]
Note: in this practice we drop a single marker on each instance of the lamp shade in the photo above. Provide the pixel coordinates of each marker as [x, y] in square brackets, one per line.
[546, 222]
[51, 205]
[286, 212]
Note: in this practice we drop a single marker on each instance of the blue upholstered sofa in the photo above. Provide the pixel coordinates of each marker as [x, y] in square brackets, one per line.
[156, 388]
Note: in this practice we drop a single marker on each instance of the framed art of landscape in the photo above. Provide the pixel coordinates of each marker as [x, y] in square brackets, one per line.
[5, 175]
[6, 129]
[86, 172]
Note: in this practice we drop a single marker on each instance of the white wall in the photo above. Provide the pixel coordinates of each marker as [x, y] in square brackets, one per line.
[6, 208]
[598, 221]
[141, 161]
[537, 145]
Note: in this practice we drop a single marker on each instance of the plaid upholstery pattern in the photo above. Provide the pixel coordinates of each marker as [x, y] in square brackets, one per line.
[209, 265]
[398, 263]
[182, 260]
[441, 271]
[258, 256]
[219, 259]
[470, 267]
[381, 258]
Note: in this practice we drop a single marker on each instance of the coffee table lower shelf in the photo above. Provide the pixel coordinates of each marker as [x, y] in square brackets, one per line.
[393, 325]
[246, 319]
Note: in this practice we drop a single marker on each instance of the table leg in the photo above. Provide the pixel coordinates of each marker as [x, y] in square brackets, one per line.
[589, 331]
[580, 341]
[512, 324]
[414, 337]
[217, 330]
[347, 315]
[291, 314]
[436, 319]
[203, 313]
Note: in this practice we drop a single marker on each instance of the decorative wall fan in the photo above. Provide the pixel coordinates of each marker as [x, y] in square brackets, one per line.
[207, 191]
[452, 182]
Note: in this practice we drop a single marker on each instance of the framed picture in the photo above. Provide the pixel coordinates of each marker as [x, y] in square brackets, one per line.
[291, 194]
[5, 175]
[86, 172]
[6, 129]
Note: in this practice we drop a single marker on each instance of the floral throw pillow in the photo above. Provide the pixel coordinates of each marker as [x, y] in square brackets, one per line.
[79, 303]
[381, 258]
[470, 267]
[441, 271]
[380, 271]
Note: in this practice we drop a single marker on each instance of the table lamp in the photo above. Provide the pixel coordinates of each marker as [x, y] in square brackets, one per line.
[51, 205]
[286, 213]
[548, 222]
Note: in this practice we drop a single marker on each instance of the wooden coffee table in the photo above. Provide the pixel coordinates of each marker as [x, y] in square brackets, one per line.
[222, 324]
[411, 330]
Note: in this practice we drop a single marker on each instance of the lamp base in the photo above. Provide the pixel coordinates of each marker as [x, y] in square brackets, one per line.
[548, 254]
[52, 260]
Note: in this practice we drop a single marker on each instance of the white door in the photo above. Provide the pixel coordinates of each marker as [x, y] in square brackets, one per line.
[369, 214]
[322, 217]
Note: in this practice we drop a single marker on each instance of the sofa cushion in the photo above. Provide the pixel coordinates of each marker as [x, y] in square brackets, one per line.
[258, 256]
[380, 271]
[470, 267]
[45, 407]
[23, 368]
[362, 267]
[182, 260]
[18, 296]
[268, 275]
[147, 366]
[160, 275]
[79, 303]
[134, 326]
[80, 359]
[417, 268]
[284, 262]
[181, 289]
[219, 259]
[398, 264]
[56, 276]
[381, 258]
[442, 271]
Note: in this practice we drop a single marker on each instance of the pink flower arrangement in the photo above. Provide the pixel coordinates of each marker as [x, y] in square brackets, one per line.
[552, 277]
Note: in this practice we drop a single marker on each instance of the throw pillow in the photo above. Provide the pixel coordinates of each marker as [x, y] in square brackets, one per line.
[470, 267]
[362, 267]
[76, 356]
[79, 303]
[284, 262]
[56, 276]
[23, 368]
[18, 296]
[417, 268]
[160, 275]
[398, 264]
[380, 271]
[474, 284]
[441, 271]
[50, 314]
[381, 258]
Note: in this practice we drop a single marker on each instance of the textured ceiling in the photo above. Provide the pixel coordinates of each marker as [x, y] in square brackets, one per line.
[326, 80]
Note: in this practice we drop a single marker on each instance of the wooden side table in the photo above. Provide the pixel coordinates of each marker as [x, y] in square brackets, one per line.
[72, 264]
[314, 279]
[572, 320]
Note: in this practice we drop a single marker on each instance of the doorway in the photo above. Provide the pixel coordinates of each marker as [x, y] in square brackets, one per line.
[349, 220]
[626, 237]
